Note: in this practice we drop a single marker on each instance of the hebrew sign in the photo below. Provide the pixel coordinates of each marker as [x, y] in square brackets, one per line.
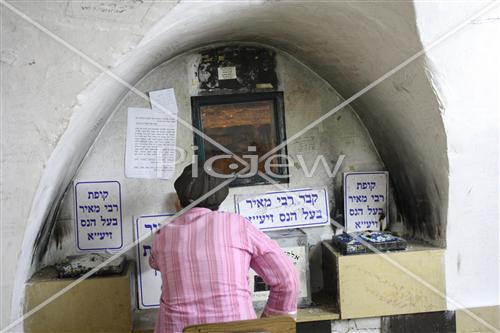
[148, 279]
[299, 208]
[365, 200]
[98, 215]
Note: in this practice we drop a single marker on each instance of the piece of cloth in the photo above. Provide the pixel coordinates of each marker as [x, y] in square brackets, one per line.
[190, 186]
[204, 258]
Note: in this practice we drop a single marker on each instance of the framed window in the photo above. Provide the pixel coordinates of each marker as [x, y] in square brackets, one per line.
[237, 122]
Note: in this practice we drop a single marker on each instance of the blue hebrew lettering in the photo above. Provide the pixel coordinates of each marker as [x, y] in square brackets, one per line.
[314, 198]
[306, 198]
[360, 198]
[286, 201]
[104, 194]
[146, 249]
[372, 185]
[104, 221]
[355, 211]
[90, 208]
[305, 212]
[87, 222]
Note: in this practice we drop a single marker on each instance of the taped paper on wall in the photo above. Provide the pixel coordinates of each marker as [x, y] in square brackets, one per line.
[163, 100]
[151, 144]
[226, 73]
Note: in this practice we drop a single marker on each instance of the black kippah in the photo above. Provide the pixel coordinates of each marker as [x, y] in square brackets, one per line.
[190, 187]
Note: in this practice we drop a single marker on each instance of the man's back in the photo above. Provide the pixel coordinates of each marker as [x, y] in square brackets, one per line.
[204, 257]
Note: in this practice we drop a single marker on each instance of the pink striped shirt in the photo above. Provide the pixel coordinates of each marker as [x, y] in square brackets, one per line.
[204, 258]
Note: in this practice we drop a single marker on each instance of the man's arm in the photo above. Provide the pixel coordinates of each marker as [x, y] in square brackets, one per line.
[277, 271]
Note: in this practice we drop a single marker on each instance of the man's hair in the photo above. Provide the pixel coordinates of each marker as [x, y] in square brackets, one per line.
[191, 187]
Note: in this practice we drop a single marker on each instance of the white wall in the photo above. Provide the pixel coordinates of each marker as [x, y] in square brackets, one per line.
[466, 70]
[40, 83]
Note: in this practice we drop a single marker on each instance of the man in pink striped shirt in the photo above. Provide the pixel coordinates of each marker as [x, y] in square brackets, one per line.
[204, 257]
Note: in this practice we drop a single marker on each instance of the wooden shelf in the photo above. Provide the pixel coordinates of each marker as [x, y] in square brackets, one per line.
[99, 304]
[392, 283]
[315, 313]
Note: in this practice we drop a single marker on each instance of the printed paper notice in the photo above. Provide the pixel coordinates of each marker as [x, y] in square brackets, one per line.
[226, 73]
[151, 139]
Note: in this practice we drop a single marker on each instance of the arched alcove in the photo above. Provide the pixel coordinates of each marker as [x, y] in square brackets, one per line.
[348, 45]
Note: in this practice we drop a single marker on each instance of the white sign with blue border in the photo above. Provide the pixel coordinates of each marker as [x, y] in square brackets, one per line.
[298, 208]
[365, 200]
[148, 279]
[98, 215]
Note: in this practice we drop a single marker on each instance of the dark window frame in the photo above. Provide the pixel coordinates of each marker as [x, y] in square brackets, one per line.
[197, 102]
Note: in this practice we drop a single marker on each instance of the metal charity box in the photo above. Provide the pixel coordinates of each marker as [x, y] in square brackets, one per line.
[294, 244]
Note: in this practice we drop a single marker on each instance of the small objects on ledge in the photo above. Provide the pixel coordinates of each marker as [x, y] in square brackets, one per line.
[366, 241]
[76, 266]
